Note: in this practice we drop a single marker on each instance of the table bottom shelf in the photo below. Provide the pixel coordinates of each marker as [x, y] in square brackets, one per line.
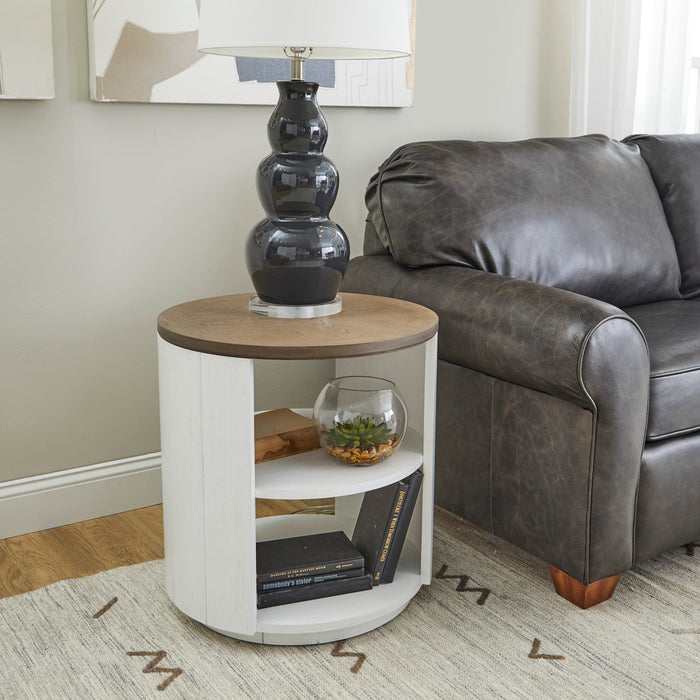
[337, 617]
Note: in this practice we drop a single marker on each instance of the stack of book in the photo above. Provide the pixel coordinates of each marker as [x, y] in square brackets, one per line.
[317, 566]
[311, 566]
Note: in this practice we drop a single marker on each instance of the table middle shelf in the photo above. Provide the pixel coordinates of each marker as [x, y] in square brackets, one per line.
[316, 475]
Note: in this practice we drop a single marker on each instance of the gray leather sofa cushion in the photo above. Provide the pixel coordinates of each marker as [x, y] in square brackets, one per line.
[579, 214]
[674, 162]
[672, 331]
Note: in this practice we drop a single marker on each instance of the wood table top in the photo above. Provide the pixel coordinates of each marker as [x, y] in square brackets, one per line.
[367, 325]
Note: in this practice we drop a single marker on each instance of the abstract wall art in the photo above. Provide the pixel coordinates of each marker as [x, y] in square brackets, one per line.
[147, 52]
[26, 50]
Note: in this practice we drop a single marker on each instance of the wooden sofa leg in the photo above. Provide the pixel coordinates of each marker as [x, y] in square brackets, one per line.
[579, 594]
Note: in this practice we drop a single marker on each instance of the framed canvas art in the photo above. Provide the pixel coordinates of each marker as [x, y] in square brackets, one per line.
[147, 52]
[26, 50]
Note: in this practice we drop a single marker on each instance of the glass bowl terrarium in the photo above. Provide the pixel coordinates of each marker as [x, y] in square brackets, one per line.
[360, 420]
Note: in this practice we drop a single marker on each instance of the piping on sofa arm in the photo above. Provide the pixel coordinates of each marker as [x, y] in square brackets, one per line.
[575, 348]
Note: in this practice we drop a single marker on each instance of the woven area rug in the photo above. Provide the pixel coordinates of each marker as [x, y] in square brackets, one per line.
[490, 625]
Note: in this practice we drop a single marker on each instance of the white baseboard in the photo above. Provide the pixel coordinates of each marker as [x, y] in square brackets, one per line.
[60, 498]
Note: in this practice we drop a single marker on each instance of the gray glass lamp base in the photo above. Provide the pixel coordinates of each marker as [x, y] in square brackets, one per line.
[258, 306]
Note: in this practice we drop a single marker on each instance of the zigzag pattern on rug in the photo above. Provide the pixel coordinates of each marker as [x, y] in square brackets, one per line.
[152, 666]
[336, 651]
[462, 585]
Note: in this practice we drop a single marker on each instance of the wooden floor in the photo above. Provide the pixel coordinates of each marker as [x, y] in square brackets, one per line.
[31, 561]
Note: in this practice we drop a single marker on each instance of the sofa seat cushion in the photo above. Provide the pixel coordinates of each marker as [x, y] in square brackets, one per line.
[672, 330]
[581, 214]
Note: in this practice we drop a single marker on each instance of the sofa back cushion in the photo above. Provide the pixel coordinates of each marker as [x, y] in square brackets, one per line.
[581, 214]
[674, 162]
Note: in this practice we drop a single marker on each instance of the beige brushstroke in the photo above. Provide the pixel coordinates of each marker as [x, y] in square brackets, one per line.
[143, 59]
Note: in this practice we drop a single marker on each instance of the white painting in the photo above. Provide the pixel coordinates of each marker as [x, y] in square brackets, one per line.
[147, 52]
[26, 50]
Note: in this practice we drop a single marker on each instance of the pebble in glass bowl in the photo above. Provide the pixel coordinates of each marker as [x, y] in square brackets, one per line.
[360, 421]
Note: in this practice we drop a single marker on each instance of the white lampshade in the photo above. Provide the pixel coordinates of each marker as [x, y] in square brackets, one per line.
[335, 29]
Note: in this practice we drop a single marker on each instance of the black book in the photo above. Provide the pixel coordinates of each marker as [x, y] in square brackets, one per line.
[396, 544]
[312, 591]
[305, 580]
[376, 524]
[308, 555]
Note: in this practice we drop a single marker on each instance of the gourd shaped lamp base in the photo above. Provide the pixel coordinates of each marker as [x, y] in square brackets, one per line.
[297, 255]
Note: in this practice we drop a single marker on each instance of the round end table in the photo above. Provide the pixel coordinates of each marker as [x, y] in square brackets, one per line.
[206, 350]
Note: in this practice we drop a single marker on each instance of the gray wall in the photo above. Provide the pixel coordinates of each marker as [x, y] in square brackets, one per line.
[112, 212]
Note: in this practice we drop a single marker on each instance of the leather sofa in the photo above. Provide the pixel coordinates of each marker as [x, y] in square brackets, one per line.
[566, 275]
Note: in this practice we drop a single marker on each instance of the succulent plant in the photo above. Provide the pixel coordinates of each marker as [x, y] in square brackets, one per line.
[358, 432]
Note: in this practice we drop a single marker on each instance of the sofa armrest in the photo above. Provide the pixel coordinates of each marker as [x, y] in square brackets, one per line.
[565, 345]
[536, 336]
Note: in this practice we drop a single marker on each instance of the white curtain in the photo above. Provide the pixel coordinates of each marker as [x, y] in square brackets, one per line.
[632, 66]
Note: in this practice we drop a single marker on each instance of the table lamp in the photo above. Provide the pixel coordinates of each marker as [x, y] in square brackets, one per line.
[297, 256]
